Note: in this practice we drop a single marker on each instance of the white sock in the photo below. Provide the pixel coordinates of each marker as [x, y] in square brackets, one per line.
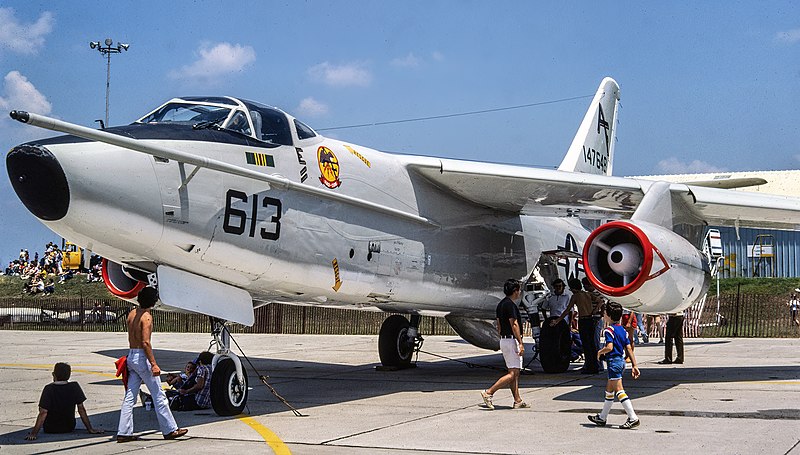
[607, 405]
[627, 405]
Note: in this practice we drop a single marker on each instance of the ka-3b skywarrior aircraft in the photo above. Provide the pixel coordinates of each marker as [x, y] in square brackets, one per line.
[226, 205]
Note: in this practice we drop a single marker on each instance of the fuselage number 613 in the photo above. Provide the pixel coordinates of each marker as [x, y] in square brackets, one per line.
[236, 219]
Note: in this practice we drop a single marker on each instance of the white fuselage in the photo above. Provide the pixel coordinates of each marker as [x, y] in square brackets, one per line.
[297, 245]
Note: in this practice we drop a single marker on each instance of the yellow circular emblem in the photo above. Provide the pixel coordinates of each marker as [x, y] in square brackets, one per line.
[328, 167]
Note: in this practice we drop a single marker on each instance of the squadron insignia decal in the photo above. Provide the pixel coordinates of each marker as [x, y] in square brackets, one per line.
[260, 159]
[328, 167]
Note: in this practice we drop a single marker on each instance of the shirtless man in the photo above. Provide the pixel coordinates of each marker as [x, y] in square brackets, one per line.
[142, 367]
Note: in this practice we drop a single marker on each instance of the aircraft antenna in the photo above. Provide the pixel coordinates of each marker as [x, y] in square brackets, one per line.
[457, 114]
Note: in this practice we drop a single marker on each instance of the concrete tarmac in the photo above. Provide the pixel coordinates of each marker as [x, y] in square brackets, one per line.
[731, 396]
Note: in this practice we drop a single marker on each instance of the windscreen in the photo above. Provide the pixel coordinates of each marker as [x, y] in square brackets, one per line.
[188, 114]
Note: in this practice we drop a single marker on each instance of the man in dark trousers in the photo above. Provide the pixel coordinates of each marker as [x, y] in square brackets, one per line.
[57, 405]
[583, 301]
[674, 331]
[509, 327]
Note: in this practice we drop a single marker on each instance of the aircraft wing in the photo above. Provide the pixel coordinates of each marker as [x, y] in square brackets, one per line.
[729, 183]
[545, 192]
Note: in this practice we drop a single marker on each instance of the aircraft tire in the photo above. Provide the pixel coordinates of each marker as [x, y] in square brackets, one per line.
[554, 347]
[228, 397]
[392, 349]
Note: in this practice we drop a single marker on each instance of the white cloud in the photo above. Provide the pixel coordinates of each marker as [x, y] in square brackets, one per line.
[409, 61]
[20, 94]
[674, 166]
[438, 56]
[215, 61]
[312, 108]
[788, 36]
[23, 38]
[353, 74]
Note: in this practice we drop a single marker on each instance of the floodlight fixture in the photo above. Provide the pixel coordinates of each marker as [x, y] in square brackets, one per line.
[106, 52]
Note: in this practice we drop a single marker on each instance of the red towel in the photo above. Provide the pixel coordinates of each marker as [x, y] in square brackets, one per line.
[122, 370]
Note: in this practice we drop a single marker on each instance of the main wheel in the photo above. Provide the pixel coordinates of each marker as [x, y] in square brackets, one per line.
[394, 347]
[554, 347]
[228, 395]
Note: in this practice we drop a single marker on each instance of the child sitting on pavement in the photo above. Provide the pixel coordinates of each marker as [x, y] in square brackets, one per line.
[177, 380]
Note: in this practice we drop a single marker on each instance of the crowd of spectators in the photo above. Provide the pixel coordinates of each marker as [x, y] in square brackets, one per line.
[40, 274]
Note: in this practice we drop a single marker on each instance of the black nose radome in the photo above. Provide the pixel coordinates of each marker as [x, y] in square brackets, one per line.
[39, 181]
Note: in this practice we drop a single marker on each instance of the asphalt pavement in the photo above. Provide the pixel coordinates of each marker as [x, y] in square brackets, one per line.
[731, 396]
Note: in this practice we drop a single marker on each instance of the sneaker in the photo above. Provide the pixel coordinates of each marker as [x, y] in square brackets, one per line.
[678, 362]
[664, 362]
[629, 424]
[597, 420]
[520, 405]
[487, 399]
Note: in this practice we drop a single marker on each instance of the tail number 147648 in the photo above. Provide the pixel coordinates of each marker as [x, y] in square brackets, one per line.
[236, 220]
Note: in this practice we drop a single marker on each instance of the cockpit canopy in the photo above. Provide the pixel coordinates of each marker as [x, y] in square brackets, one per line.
[252, 119]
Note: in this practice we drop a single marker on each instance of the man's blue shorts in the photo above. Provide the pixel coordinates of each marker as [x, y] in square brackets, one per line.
[616, 366]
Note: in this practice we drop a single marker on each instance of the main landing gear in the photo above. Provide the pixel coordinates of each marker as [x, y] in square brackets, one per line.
[228, 377]
[398, 340]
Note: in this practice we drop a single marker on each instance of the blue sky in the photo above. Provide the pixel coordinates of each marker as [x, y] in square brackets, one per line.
[706, 86]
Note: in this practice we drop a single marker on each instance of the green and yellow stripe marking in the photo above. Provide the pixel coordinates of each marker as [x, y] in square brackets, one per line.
[259, 159]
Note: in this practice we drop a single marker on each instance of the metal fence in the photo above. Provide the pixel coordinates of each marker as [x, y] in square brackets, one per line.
[749, 315]
[109, 315]
[741, 315]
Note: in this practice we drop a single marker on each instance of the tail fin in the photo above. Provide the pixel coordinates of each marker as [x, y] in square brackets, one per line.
[592, 150]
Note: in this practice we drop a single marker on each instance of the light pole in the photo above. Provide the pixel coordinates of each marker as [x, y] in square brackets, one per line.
[107, 51]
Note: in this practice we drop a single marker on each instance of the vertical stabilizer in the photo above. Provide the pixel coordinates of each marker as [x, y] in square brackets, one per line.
[592, 150]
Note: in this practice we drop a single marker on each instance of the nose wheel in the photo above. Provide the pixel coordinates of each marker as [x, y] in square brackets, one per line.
[228, 377]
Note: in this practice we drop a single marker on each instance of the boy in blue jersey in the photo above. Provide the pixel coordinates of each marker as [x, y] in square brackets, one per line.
[616, 344]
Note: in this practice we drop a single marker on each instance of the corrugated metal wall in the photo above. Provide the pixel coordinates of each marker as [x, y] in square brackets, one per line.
[784, 264]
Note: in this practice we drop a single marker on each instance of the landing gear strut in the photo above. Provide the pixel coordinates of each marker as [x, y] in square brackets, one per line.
[228, 377]
[398, 340]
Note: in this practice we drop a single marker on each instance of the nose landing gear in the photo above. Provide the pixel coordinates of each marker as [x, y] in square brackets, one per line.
[228, 377]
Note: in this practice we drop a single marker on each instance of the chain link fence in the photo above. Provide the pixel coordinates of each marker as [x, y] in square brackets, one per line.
[741, 315]
[109, 315]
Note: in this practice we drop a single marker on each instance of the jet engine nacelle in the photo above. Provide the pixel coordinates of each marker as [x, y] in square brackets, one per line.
[122, 282]
[645, 266]
[477, 332]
